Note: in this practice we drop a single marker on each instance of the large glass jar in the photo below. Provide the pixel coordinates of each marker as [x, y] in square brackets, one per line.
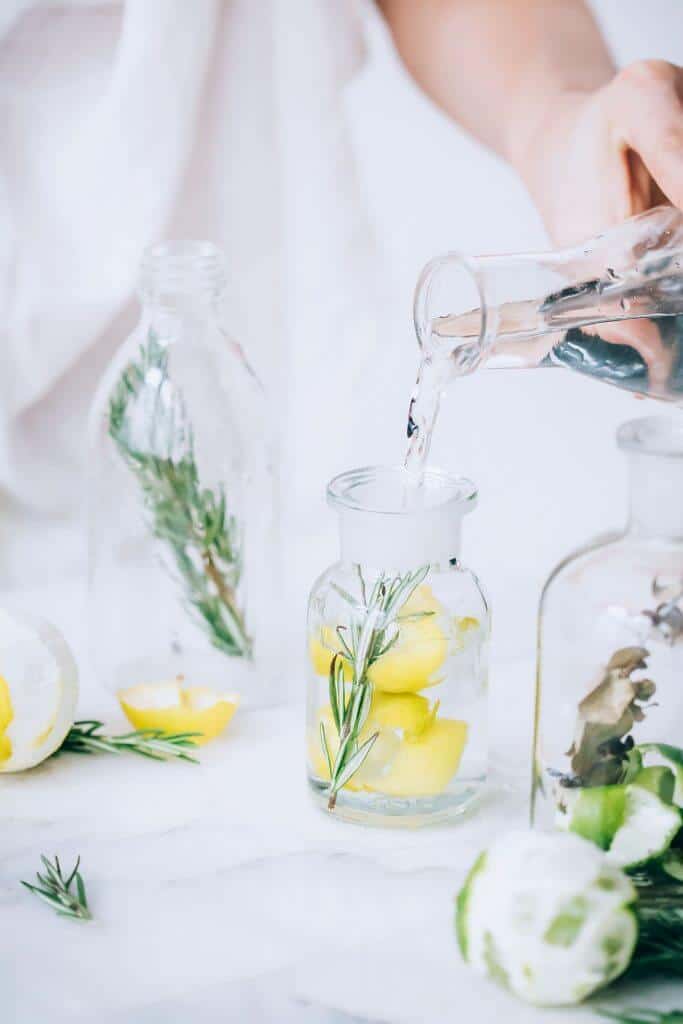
[398, 637]
[184, 555]
[609, 701]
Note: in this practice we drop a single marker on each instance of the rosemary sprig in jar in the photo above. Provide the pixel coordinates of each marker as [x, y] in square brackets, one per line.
[149, 425]
[373, 630]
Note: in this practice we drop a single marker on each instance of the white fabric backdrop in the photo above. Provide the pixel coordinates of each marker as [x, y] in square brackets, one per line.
[288, 133]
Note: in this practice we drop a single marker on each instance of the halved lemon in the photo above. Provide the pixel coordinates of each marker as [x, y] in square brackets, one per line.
[174, 708]
[38, 691]
[413, 663]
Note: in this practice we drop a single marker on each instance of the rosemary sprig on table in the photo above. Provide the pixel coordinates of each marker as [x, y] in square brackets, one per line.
[85, 737]
[65, 895]
[149, 425]
[373, 631]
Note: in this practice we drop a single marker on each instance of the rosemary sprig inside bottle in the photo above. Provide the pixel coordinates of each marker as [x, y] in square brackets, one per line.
[86, 737]
[373, 630]
[65, 895]
[149, 425]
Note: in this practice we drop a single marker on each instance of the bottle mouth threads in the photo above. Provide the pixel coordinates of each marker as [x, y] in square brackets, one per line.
[182, 268]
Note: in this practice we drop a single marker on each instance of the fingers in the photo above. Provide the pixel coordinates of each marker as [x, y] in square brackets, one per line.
[645, 104]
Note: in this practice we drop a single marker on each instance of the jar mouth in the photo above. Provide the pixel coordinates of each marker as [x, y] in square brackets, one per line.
[652, 435]
[391, 490]
[182, 267]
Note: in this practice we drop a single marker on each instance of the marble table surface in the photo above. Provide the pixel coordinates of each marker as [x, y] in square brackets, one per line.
[220, 893]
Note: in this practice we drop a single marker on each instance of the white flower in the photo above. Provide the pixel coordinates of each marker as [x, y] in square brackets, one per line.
[547, 916]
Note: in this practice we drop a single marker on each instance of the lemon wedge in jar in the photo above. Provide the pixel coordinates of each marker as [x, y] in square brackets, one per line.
[38, 691]
[425, 762]
[174, 708]
[414, 661]
[322, 647]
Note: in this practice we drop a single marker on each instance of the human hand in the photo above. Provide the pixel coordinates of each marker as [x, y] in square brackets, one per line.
[596, 158]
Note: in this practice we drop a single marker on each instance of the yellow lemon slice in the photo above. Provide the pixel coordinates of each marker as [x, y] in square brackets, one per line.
[374, 765]
[409, 712]
[175, 708]
[322, 647]
[424, 764]
[38, 691]
[413, 663]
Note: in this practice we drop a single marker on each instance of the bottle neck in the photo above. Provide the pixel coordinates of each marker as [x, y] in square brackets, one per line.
[656, 495]
[181, 283]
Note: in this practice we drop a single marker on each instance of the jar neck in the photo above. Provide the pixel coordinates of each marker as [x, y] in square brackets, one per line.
[399, 542]
[656, 495]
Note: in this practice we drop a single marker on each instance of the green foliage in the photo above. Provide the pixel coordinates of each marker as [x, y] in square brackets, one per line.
[86, 738]
[67, 895]
[372, 632]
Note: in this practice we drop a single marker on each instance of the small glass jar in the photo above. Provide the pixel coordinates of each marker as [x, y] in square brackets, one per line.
[183, 517]
[398, 638]
[610, 648]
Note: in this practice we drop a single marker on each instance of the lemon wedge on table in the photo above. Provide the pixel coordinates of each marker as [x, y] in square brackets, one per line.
[38, 691]
[174, 708]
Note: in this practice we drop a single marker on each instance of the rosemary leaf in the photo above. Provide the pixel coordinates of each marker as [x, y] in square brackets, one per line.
[57, 892]
[85, 738]
[372, 631]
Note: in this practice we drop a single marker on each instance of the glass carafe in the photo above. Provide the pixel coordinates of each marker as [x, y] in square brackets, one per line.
[183, 513]
[611, 308]
[609, 701]
[398, 637]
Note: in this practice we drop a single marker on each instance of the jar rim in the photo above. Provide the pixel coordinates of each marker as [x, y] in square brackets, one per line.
[652, 435]
[386, 490]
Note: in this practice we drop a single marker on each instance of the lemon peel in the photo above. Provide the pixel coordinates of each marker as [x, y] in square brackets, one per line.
[174, 708]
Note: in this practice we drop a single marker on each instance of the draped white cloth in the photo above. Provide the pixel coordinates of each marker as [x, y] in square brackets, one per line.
[125, 123]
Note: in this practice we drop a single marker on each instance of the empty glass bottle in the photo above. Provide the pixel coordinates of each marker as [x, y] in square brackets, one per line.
[398, 637]
[609, 701]
[184, 555]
